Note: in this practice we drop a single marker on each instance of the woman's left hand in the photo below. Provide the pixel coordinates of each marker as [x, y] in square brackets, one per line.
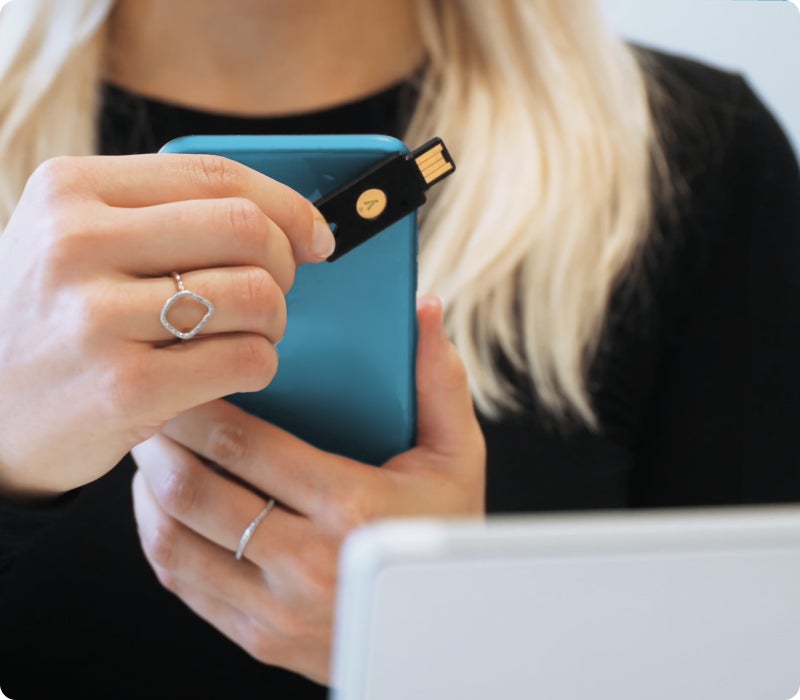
[278, 601]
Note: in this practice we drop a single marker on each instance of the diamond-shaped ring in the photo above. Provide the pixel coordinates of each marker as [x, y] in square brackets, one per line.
[183, 293]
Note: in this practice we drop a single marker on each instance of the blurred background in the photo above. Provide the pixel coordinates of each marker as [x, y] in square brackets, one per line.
[758, 38]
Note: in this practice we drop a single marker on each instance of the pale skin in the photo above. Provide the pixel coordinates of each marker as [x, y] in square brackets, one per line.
[93, 374]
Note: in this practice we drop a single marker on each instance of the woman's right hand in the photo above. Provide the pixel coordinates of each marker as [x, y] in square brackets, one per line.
[87, 371]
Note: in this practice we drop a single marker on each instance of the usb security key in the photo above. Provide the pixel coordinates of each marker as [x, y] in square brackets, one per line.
[385, 193]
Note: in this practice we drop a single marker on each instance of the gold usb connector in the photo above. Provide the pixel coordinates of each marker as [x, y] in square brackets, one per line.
[433, 161]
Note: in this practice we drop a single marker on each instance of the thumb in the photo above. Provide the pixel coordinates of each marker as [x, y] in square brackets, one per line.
[446, 421]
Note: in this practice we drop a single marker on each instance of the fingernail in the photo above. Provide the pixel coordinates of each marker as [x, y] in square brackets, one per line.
[322, 241]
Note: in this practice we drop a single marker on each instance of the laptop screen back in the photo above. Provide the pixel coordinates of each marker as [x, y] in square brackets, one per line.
[691, 605]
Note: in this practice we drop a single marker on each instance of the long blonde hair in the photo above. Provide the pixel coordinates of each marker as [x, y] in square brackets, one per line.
[547, 114]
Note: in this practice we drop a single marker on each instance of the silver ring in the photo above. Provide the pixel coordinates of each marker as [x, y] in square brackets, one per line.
[251, 528]
[181, 294]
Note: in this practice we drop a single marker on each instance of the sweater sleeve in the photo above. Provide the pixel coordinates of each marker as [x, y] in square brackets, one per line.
[771, 328]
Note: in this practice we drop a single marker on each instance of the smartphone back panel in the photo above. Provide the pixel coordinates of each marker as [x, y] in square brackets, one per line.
[346, 375]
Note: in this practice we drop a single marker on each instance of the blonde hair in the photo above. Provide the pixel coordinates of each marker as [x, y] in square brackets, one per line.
[546, 112]
[50, 60]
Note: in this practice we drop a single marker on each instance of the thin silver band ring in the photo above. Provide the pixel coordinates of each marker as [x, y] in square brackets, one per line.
[251, 528]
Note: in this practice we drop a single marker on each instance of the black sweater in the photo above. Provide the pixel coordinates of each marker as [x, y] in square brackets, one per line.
[697, 386]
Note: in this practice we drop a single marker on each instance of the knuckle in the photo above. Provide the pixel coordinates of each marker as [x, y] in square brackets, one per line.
[358, 506]
[60, 259]
[56, 176]
[70, 235]
[176, 491]
[161, 550]
[220, 173]
[227, 445]
[255, 362]
[256, 291]
[244, 216]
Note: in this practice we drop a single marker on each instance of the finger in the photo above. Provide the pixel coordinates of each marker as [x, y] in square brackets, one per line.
[181, 556]
[297, 563]
[446, 419]
[179, 376]
[217, 509]
[198, 234]
[157, 178]
[245, 300]
[274, 461]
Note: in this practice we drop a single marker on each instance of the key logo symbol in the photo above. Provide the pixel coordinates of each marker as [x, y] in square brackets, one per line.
[371, 203]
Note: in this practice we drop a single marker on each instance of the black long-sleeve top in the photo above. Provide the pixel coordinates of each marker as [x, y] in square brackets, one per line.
[697, 388]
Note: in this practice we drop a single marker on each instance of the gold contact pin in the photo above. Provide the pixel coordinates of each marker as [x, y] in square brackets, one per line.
[435, 172]
[434, 163]
[429, 155]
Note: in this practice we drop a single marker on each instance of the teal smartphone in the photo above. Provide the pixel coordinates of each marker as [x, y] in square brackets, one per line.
[346, 373]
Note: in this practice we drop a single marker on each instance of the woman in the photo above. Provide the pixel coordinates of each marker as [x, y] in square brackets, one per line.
[616, 258]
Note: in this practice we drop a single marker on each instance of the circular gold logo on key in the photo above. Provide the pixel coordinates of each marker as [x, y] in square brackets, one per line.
[371, 203]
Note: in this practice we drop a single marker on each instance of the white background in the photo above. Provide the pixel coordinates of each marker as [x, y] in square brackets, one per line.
[757, 38]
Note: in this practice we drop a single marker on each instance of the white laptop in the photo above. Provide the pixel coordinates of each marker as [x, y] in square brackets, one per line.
[657, 605]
